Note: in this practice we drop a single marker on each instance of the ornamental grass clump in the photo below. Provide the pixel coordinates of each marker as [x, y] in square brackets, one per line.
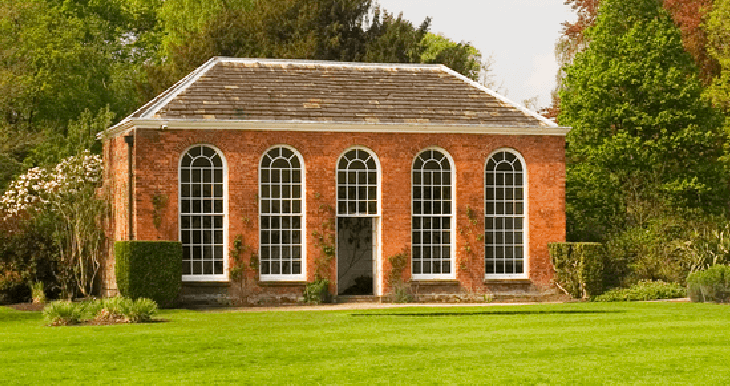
[643, 290]
[100, 311]
[62, 313]
[142, 310]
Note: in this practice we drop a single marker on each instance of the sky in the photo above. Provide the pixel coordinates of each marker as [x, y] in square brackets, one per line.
[520, 36]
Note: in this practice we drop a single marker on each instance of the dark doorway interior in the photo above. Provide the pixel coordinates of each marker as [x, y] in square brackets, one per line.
[355, 255]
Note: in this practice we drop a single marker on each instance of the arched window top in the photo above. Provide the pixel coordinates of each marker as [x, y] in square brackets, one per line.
[432, 160]
[202, 156]
[358, 159]
[281, 158]
[504, 161]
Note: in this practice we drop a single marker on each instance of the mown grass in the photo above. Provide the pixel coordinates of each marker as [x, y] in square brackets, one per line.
[582, 343]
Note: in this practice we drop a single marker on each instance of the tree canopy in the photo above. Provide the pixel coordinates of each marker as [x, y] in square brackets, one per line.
[73, 66]
[644, 141]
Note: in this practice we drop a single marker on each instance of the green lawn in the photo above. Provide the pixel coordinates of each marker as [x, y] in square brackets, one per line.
[564, 343]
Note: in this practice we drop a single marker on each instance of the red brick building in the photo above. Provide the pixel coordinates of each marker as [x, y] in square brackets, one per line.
[333, 170]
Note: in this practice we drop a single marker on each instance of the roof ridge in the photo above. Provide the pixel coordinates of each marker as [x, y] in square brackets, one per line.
[326, 63]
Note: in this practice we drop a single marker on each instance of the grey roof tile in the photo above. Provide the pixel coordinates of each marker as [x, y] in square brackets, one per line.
[250, 89]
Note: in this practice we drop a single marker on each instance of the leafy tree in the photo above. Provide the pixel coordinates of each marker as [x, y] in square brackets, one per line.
[59, 58]
[460, 57]
[644, 143]
[689, 16]
[343, 30]
[718, 36]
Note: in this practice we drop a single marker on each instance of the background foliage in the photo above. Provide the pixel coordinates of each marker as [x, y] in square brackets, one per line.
[647, 156]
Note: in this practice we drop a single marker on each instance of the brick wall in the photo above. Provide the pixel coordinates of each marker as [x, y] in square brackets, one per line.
[157, 156]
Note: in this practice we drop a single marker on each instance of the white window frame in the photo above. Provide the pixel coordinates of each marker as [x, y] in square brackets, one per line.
[303, 274]
[377, 183]
[377, 231]
[202, 277]
[451, 216]
[525, 218]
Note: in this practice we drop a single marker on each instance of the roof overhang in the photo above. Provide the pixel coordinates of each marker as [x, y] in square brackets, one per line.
[322, 126]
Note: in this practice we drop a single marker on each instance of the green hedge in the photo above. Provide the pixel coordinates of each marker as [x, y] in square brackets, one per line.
[149, 269]
[710, 285]
[578, 268]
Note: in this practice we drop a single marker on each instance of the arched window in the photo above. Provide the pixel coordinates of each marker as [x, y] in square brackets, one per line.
[433, 215]
[504, 222]
[357, 184]
[281, 191]
[202, 214]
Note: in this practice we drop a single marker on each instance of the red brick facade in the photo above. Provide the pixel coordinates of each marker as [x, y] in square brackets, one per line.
[157, 154]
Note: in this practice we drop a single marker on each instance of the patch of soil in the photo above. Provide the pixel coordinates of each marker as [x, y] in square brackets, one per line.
[27, 306]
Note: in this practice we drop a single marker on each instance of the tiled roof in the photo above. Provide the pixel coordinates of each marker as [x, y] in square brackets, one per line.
[292, 90]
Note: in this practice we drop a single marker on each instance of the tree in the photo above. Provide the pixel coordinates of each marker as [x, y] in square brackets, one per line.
[342, 30]
[59, 58]
[460, 57]
[718, 36]
[67, 197]
[644, 143]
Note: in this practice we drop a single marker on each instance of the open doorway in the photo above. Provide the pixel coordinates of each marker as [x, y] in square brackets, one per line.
[355, 256]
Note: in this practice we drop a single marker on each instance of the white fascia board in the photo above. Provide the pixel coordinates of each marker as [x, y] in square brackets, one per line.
[314, 126]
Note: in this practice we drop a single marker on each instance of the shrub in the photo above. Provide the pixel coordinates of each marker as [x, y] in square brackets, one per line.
[27, 254]
[644, 290]
[578, 267]
[62, 313]
[149, 269]
[710, 285]
[667, 248]
[317, 291]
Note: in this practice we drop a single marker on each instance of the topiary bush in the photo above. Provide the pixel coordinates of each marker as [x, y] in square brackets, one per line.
[578, 268]
[710, 285]
[643, 290]
[149, 269]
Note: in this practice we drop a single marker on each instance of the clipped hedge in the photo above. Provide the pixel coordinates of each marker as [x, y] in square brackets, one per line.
[578, 268]
[149, 269]
[710, 285]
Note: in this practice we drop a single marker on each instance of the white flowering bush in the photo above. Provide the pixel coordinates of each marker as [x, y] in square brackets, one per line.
[42, 188]
[69, 194]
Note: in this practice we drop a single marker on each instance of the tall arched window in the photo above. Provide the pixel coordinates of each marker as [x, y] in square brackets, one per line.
[504, 223]
[281, 219]
[433, 215]
[202, 214]
[357, 184]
